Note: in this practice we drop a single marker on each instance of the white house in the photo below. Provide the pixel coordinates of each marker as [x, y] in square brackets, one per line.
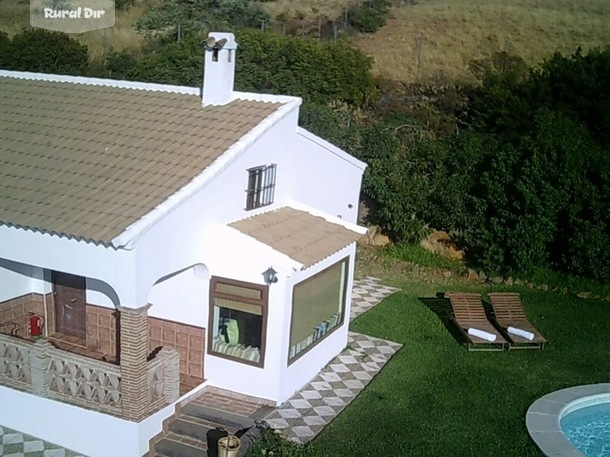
[155, 239]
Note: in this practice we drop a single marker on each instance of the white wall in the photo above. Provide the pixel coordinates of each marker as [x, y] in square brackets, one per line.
[246, 379]
[176, 241]
[183, 297]
[42, 281]
[302, 370]
[330, 184]
[101, 294]
[17, 279]
[55, 253]
[244, 259]
[88, 432]
[195, 233]
[307, 171]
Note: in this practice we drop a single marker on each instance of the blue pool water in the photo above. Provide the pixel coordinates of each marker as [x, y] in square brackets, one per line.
[588, 429]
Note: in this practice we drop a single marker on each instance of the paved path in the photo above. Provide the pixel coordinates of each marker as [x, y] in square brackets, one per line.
[366, 293]
[17, 444]
[305, 414]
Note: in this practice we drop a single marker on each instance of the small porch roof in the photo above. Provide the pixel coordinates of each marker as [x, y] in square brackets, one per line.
[297, 233]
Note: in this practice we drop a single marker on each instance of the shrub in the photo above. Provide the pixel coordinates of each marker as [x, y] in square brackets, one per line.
[272, 443]
[218, 14]
[40, 50]
[370, 16]
[123, 4]
[318, 72]
[394, 181]
[578, 86]
[539, 202]
[120, 65]
[333, 124]
[5, 50]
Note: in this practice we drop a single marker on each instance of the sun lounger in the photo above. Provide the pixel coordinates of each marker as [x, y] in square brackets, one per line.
[469, 313]
[508, 312]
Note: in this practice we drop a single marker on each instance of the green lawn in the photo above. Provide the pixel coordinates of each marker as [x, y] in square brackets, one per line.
[436, 399]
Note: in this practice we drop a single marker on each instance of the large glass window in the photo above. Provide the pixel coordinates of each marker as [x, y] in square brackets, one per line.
[237, 320]
[318, 307]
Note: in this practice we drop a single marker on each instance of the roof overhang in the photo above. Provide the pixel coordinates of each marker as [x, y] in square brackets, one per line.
[304, 235]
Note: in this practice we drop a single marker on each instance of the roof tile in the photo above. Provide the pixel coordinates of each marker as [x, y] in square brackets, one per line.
[88, 161]
[298, 234]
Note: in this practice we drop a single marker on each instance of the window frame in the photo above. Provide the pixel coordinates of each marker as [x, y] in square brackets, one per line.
[262, 302]
[260, 191]
[292, 360]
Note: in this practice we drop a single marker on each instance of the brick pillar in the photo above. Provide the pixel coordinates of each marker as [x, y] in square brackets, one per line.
[39, 367]
[171, 384]
[133, 326]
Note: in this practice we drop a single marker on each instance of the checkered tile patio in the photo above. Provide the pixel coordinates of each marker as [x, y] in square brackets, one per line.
[315, 405]
[366, 293]
[17, 444]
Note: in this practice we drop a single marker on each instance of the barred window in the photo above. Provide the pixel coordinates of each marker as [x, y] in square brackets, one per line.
[261, 186]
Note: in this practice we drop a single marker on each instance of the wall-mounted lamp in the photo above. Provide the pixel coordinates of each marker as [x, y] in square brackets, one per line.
[270, 276]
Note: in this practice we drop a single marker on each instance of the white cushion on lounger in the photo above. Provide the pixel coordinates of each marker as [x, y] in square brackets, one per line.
[520, 332]
[482, 334]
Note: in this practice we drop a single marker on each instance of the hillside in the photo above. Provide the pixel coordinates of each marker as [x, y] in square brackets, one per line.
[446, 34]
[455, 32]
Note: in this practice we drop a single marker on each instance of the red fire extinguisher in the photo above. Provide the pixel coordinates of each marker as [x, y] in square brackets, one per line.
[36, 325]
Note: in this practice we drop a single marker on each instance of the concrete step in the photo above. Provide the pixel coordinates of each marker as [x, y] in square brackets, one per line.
[222, 418]
[175, 445]
[196, 428]
[199, 427]
[262, 412]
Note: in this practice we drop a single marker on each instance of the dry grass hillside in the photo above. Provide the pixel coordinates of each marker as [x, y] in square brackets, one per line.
[15, 17]
[455, 32]
[445, 34]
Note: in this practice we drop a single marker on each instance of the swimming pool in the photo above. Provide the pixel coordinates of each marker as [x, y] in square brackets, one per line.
[588, 428]
[572, 422]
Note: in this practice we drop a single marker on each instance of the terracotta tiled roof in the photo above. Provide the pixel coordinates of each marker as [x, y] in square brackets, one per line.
[301, 236]
[88, 161]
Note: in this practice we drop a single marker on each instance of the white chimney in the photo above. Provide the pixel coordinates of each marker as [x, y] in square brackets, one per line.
[219, 68]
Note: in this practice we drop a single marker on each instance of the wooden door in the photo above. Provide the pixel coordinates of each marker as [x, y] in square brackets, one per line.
[70, 304]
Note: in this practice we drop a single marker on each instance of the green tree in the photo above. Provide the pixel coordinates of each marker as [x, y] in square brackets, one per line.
[370, 16]
[578, 86]
[318, 72]
[335, 125]
[177, 63]
[5, 50]
[120, 65]
[265, 63]
[194, 15]
[40, 50]
[541, 194]
[536, 198]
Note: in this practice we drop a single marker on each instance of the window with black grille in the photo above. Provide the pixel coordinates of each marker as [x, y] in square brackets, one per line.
[261, 186]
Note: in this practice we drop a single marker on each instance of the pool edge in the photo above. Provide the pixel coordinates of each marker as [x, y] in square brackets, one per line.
[543, 416]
